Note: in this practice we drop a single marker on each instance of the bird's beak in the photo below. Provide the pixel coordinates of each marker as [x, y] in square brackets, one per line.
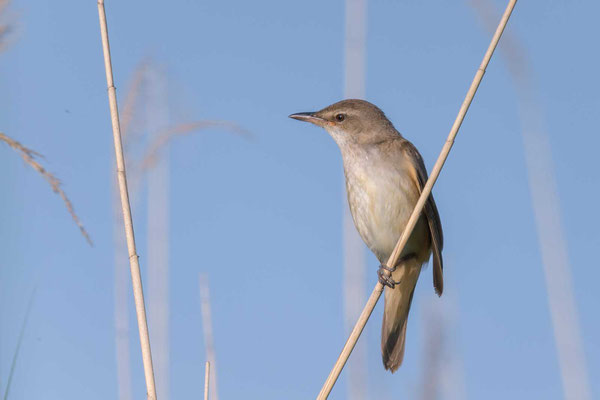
[309, 117]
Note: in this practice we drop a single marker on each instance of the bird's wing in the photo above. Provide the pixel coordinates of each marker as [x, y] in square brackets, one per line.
[431, 212]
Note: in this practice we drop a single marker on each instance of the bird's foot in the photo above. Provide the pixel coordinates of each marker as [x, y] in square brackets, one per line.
[385, 276]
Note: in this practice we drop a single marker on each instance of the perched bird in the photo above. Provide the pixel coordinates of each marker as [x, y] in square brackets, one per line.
[384, 178]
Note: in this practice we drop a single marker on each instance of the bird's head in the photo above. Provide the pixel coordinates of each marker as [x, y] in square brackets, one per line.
[351, 122]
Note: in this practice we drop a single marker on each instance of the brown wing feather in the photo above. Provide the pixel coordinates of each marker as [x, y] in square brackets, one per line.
[433, 218]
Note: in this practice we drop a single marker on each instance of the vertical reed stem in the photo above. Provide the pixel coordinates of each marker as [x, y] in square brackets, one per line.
[207, 329]
[127, 220]
[206, 379]
[548, 219]
[355, 261]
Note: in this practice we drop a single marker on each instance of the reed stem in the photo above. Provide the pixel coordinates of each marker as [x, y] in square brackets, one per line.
[126, 208]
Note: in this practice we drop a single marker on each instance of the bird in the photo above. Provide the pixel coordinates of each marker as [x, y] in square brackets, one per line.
[385, 175]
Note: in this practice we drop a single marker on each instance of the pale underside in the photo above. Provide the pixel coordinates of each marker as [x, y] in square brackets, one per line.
[382, 193]
[381, 201]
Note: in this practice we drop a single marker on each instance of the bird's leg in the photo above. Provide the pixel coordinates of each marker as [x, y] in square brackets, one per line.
[385, 276]
[385, 273]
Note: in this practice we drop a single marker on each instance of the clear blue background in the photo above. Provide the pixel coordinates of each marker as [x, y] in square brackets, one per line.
[263, 217]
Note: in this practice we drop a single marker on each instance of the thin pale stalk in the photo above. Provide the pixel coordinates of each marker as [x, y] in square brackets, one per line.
[207, 329]
[547, 214]
[127, 220]
[435, 341]
[358, 328]
[13, 364]
[355, 268]
[157, 234]
[206, 379]
[121, 309]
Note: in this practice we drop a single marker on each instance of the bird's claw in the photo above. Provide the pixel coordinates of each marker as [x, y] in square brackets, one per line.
[385, 276]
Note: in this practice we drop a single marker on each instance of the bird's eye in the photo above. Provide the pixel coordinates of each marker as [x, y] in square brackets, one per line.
[340, 117]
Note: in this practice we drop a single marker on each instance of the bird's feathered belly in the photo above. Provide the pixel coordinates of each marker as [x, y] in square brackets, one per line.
[381, 202]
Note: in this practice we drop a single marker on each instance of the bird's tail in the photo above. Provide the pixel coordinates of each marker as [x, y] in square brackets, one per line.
[395, 314]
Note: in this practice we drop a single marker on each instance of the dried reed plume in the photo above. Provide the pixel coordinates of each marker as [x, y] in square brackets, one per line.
[29, 156]
[126, 208]
[132, 97]
[163, 138]
[435, 172]
[547, 214]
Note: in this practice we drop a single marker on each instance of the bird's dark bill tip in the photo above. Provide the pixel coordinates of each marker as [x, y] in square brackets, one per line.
[305, 116]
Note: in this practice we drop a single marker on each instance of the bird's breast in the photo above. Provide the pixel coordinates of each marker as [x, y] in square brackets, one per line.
[381, 199]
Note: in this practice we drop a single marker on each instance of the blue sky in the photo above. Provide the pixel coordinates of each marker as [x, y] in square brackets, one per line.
[263, 217]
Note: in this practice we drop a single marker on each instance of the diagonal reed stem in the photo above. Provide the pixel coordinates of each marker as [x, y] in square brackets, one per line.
[366, 313]
[127, 220]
